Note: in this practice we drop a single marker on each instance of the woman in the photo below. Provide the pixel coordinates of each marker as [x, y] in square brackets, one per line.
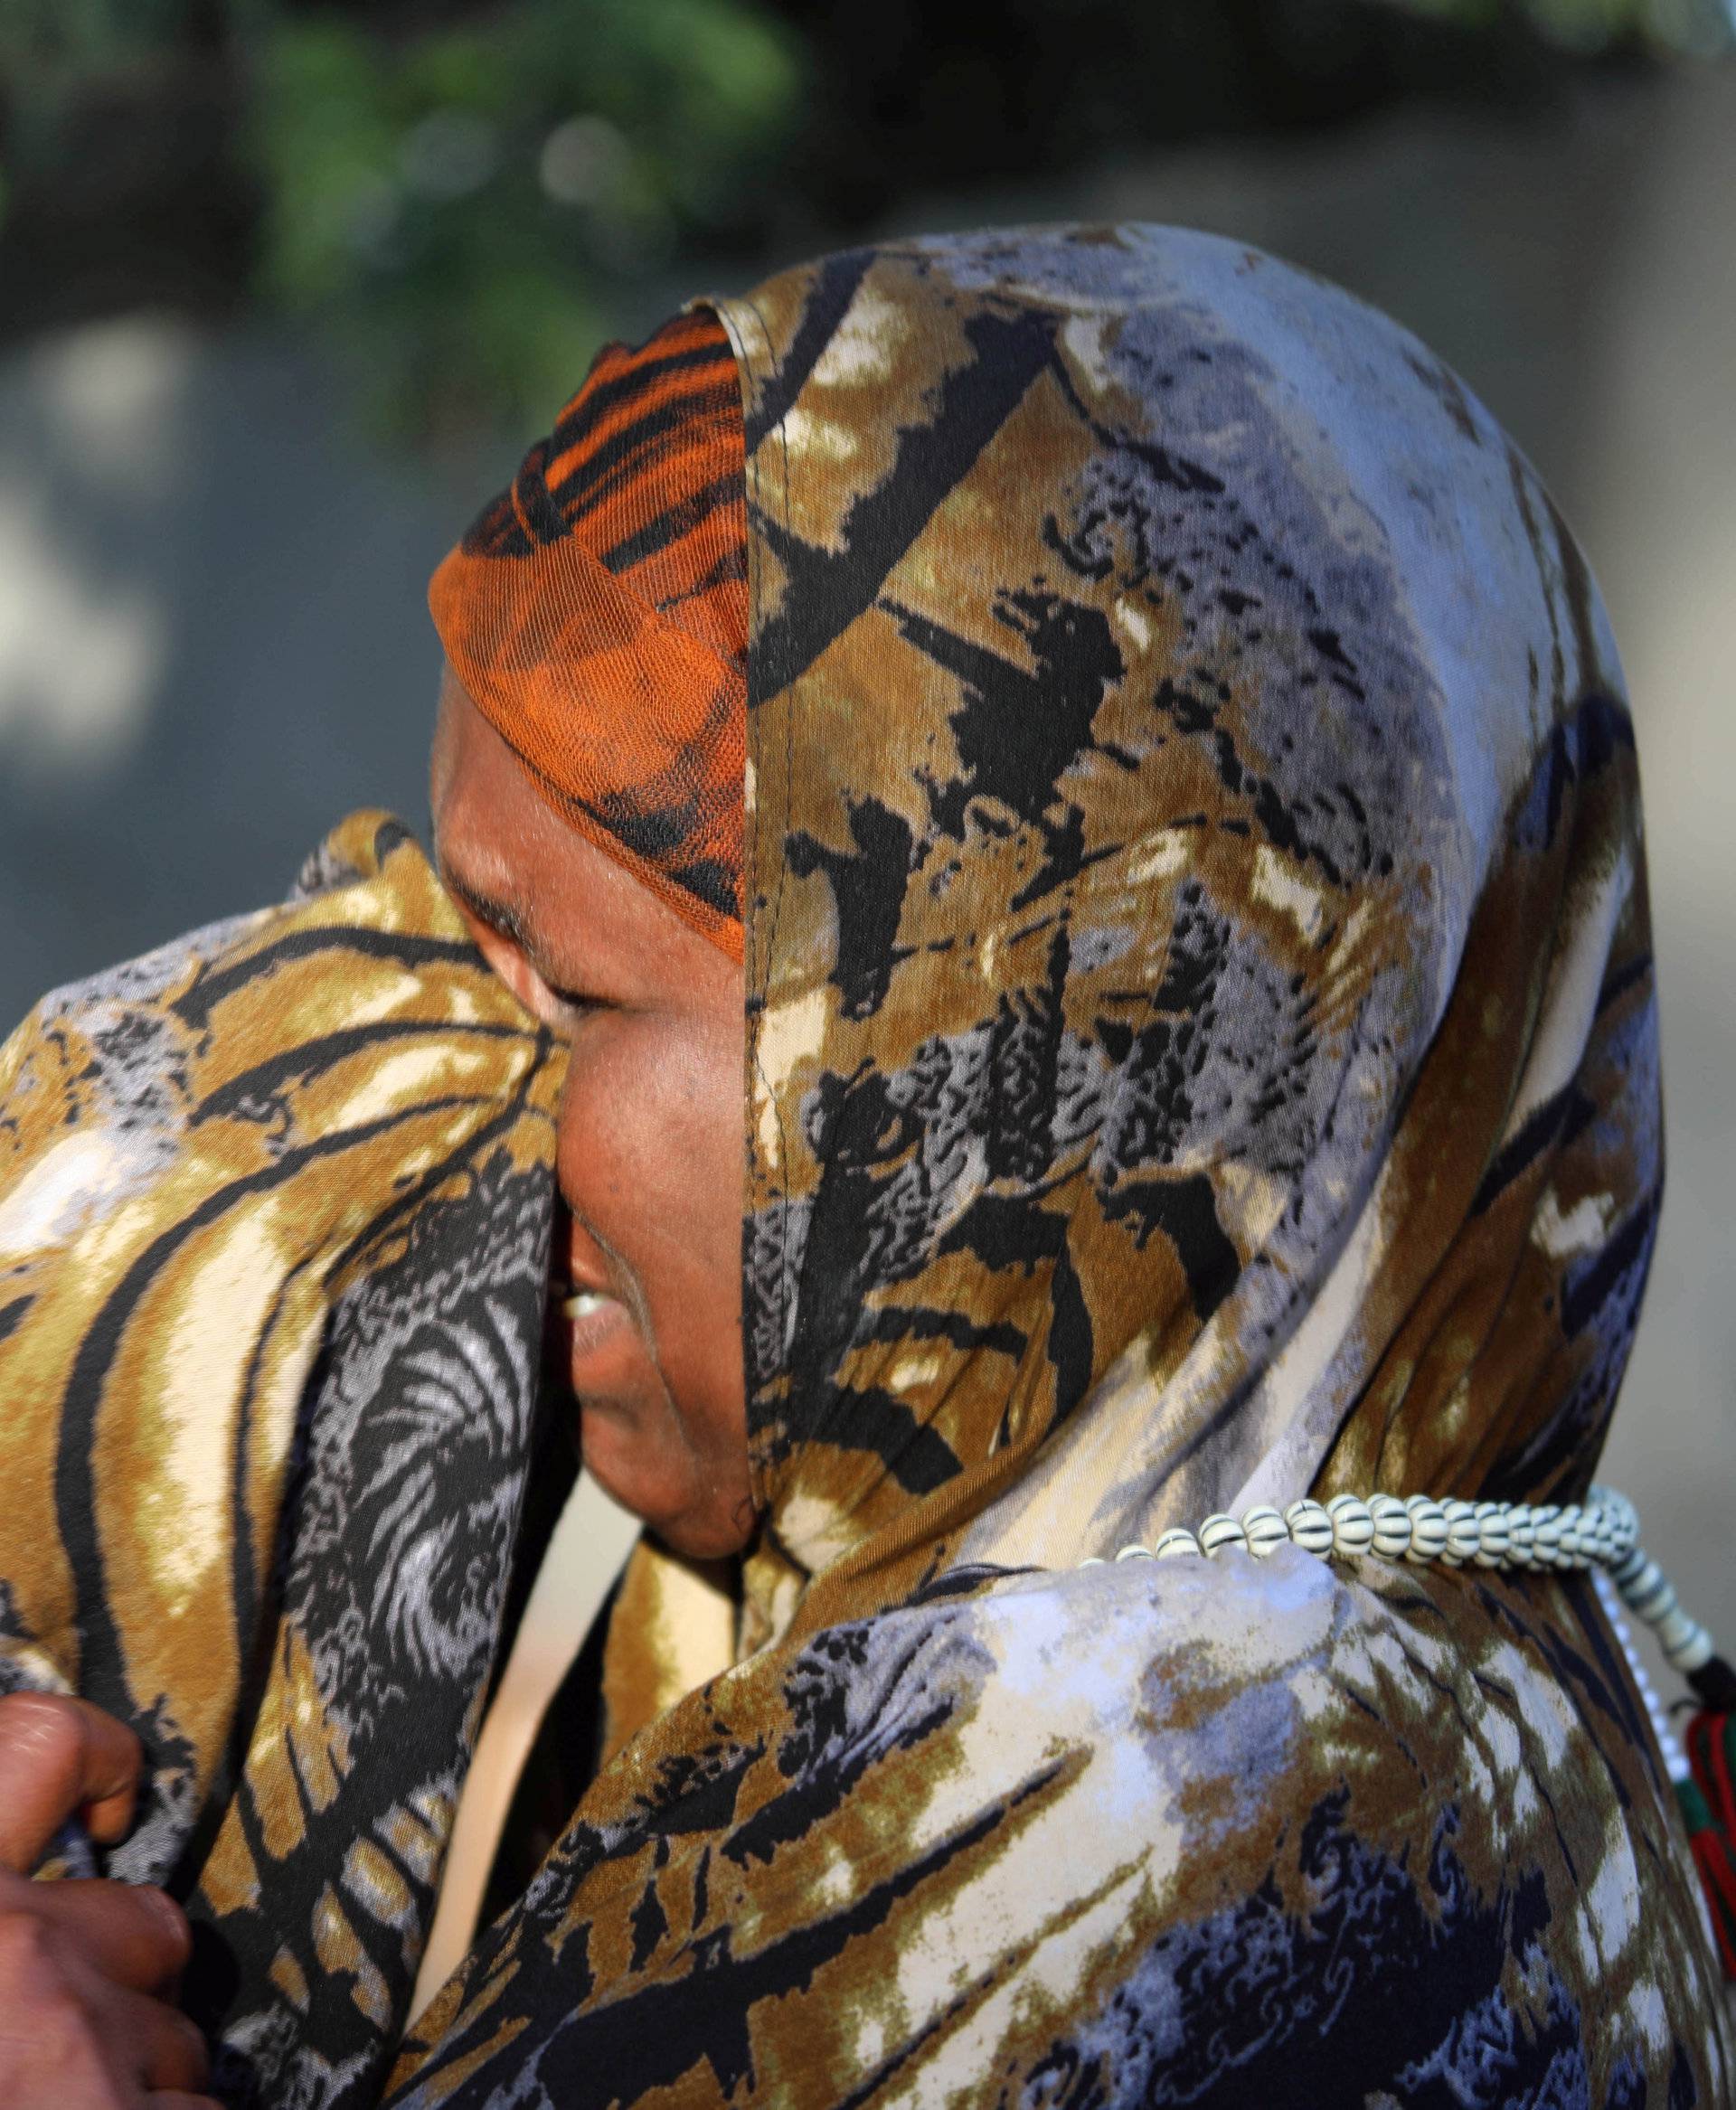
[1187, 911]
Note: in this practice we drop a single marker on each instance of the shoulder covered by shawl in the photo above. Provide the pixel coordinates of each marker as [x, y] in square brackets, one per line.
[274, 1209]
[1146, 1834]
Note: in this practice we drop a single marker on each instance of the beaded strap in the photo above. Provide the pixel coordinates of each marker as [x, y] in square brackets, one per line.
[1602, 1533]
[1603, 1536]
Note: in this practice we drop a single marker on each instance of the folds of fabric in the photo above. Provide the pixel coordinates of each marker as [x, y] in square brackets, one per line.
[597, 614]
[274, 1211]
[1202, 1048]
[1153, 1833]
[1205, 1040]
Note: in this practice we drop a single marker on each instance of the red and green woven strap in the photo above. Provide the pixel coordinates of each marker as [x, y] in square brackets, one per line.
[1708, 1800]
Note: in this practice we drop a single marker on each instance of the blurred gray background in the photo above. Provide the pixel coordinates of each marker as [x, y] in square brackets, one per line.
[212, 638]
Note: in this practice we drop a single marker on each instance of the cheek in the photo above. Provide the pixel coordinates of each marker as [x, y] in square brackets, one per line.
[651, 1155]
[604, 1136]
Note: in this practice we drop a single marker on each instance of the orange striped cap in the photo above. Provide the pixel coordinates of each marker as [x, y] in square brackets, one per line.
[597, 614]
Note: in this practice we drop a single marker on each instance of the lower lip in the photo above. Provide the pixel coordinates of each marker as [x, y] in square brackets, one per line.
[594, 1337]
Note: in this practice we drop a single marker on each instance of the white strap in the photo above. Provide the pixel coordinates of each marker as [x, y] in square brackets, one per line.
[1602, 1535]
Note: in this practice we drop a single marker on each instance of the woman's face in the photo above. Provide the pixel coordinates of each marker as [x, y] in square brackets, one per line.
[648, 1247]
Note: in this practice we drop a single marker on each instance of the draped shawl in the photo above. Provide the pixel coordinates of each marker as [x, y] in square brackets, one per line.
[274, 1219]
[1201, 1049]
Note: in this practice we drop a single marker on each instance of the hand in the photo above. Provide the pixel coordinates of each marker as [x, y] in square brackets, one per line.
[87, 1970]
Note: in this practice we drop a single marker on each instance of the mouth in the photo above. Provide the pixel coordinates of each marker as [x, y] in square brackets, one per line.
[593, 1333]
[595, 1327]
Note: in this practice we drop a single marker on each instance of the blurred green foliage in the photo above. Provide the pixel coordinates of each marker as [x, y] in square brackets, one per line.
[466, 196]
[468, 205]
[463, 198]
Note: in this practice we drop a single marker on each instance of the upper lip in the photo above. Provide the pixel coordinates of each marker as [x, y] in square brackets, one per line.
[569, 1281]
[578, 1270]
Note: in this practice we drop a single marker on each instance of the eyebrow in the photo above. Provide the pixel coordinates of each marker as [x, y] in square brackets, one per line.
[513, 922]
[505, 917]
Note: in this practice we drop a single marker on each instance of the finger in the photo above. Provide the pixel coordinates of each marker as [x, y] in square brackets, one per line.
[59, 1755]
[162, 2046]
[179, 2099]
[134, 1935]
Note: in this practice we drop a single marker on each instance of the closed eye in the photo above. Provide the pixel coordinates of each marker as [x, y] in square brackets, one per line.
[505, 922]
[574, 1000]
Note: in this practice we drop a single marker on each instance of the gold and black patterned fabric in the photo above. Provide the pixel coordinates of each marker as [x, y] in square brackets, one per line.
[1202, 1049]
[274, 1212]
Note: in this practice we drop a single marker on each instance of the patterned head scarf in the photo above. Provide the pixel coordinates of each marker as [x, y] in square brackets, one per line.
[596, 613]
[1201, 1031]
[1114, 871]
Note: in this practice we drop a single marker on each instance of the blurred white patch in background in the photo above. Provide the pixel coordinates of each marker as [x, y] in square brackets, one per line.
[83, 635]
[214, 641]
[77, 662]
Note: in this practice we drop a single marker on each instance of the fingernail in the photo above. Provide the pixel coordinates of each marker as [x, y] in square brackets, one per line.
[174, 1920]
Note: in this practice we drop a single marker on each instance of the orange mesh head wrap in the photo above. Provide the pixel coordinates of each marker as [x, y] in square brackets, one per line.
[597, 614]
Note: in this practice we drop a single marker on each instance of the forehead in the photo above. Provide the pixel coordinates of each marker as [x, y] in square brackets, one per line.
[501, 847]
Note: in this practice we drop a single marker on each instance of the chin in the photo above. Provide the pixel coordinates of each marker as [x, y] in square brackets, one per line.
[686, 1517]
[702, 1538]
[621, 1459]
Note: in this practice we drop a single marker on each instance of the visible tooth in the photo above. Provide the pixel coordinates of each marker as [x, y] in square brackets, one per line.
[583, 1301]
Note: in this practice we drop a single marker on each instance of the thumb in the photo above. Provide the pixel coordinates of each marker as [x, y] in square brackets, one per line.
[59, 1757]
